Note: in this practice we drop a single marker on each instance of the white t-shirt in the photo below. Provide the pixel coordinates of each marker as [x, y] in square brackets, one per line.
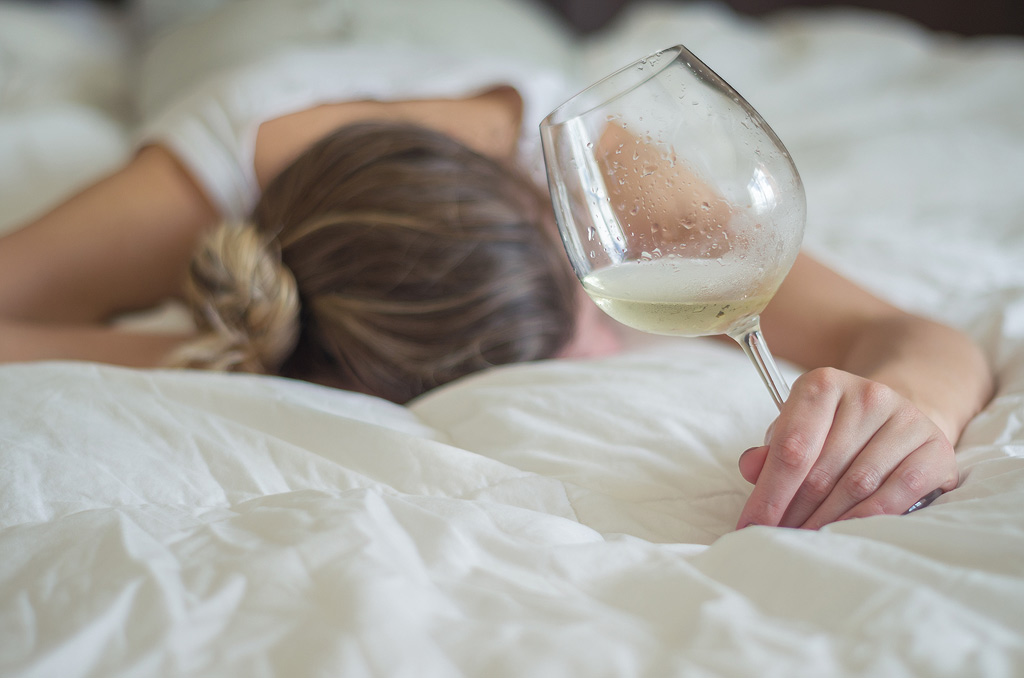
[384, 50]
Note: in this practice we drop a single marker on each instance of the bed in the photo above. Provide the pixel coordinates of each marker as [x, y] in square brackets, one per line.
[562, 518]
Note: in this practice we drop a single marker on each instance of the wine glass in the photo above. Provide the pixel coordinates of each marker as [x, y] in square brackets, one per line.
[680, 209]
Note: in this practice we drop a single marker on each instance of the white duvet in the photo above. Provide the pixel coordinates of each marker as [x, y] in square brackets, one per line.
[568, 518]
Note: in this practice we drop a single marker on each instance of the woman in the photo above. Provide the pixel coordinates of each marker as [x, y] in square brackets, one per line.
[388, 247]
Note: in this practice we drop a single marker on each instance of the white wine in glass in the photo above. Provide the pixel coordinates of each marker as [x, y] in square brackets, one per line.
[680, 209]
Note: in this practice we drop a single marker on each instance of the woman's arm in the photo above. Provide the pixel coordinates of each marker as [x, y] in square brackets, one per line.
[122, 244]
[870, 428]
[22, 341]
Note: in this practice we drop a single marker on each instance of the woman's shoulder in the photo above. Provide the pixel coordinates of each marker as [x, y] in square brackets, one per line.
[222, 126]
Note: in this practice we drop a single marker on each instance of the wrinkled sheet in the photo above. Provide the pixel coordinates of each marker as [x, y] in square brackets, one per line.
[569, 518]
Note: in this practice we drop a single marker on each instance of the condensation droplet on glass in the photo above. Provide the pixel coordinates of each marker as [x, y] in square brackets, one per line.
[591, 232]
[635, 210]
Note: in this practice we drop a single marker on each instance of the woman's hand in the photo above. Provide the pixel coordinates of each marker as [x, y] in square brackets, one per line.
[870, 428]
[844, 447]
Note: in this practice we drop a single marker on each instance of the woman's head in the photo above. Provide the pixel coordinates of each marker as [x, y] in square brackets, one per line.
[387, 259]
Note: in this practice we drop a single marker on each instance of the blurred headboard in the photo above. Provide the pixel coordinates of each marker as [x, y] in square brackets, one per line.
[978, 17]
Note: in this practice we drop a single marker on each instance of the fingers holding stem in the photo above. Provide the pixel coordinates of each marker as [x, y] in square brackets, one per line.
[844, 447]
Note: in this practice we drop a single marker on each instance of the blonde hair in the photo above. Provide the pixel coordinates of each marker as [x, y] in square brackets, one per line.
[388, 259]
[246, 301]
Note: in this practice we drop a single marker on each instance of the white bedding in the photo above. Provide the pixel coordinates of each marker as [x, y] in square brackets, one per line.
[568, 518]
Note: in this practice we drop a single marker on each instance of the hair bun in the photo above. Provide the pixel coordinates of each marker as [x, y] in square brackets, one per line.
[245, 302]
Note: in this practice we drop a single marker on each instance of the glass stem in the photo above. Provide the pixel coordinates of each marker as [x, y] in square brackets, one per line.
[748, 335]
